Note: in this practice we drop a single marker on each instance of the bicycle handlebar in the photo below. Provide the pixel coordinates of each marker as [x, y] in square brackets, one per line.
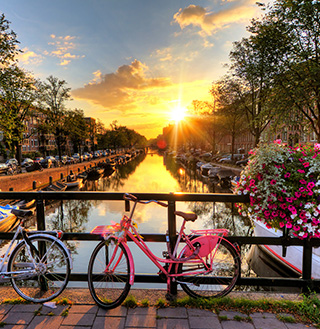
[131, 197]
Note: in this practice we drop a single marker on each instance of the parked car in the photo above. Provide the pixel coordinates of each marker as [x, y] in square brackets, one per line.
[89, 155]
[48, 162]
[70, 160]
[76, 157]
[38, 159]
[3, 168]
[11, 162]
[63, 160]
[27, 162]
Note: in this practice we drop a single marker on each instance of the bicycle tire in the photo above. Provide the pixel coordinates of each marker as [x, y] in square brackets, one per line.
[109, 290]
[225, 272]
[52, 274]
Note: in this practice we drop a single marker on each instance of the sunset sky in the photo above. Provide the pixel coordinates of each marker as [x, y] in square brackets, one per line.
[134, 61]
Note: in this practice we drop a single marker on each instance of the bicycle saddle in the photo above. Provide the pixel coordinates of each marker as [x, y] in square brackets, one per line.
[188, 216]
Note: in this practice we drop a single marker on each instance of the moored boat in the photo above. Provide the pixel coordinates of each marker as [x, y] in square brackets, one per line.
[72, 181]
[268, 259]
[8, 221]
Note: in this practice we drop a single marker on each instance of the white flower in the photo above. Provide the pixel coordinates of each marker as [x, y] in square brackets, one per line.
[299, 221]
[293, 216]
[239, 192]
[308, 215]
[245, 192]
[315, 213]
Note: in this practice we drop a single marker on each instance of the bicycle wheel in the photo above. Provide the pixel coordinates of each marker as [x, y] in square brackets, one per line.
[46, 278]
[224, 265]
[108, 274]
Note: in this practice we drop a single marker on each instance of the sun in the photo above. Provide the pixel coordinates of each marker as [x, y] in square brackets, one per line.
[178, 114]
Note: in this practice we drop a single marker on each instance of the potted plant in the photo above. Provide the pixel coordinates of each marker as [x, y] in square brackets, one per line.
[283, 184]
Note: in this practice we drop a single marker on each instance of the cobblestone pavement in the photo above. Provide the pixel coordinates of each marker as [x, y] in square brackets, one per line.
[82, 316]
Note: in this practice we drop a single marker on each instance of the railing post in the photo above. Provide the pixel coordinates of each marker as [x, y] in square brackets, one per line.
[172, 232]
[307, 265]
[40, 213]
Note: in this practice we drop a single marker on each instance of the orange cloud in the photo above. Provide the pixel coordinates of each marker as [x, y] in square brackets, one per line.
[123, 89]
[210, 22]
[29, 57]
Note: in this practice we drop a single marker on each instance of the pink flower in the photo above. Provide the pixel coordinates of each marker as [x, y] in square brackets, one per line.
[288, 225]
[296, 228]
[297, 194]
[292, 209]
[268, 226]
[306, 164]
[283, 206]
[289, 199]
[301, 171]
[287, 175]
[252, 182]
[273, 182]
[281, 224]
[303, 181]
[311, 184]
[277, 141]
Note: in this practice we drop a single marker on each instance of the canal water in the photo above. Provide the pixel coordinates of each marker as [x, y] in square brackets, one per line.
[147, 173]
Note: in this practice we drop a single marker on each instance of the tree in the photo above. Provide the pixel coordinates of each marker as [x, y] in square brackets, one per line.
[76, 127]
[210, 122]
[123, 137]
[228, 105]
[54, 94]
[18, 94]
[251, 77]
[290, 34]
[8, 44]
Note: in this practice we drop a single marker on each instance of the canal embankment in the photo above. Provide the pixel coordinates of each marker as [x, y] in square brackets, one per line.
[26, 181]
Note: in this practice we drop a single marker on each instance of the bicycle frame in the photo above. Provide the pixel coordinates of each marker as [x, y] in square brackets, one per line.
[128, 230]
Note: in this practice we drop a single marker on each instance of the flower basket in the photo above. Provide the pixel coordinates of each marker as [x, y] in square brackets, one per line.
[283, 184]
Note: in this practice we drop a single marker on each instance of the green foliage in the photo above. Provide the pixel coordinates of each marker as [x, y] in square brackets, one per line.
[64, 301]
[14, 301]
[160, 303]
[145, 303]
[309, 308]
[130, 302]
[286, 318]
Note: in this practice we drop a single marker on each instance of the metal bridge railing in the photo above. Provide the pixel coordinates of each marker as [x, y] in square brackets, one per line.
[306, 282]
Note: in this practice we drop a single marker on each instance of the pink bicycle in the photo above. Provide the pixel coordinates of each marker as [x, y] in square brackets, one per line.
[208, 265]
